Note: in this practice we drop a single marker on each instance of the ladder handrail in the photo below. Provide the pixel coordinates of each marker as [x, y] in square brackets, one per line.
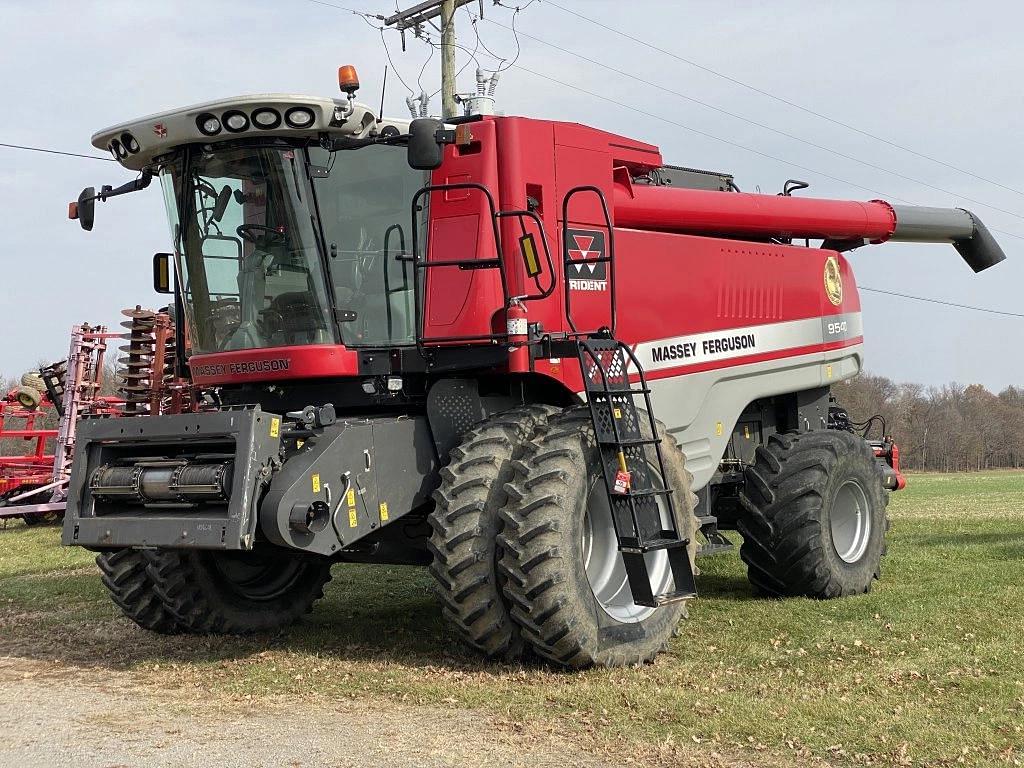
[498, 262]
[424, 264]
[608, 258]
[547, 251]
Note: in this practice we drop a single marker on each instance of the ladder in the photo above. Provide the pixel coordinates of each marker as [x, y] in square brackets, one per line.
[642, 504]
[641, 501]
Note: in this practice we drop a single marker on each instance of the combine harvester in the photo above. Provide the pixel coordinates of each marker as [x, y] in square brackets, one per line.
[386, 363]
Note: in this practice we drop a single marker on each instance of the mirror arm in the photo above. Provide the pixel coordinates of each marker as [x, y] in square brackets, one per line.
[135, 185]
[335, 144]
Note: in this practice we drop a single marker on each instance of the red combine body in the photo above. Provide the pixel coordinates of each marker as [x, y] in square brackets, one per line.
[529, 354]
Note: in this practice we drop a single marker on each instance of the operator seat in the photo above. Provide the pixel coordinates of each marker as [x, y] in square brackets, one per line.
[301, 319]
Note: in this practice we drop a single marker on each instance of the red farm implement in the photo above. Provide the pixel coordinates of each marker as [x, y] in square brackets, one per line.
[33, 481]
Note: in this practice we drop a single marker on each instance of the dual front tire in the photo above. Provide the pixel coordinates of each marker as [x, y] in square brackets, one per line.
[206, 592]
[525, 555]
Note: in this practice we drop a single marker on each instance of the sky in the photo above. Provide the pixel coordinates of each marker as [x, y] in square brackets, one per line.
[938, 77]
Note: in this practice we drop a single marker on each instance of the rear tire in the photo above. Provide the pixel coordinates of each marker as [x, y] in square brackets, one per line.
[815, 519]
[236, 592]
[125, 577]
[466, 523]
[551, 516]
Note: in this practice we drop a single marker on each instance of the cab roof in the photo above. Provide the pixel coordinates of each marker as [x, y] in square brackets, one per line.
[136, 143]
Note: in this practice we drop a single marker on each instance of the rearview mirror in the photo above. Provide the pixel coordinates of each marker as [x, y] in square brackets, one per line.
[425, 152]
[84, 209]
[222, 203]
[162, 273]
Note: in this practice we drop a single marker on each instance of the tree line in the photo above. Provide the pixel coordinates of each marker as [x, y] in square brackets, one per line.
[952, 428]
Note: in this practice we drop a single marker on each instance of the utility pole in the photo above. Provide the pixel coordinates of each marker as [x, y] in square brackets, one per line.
[414, 18]
[448, 106]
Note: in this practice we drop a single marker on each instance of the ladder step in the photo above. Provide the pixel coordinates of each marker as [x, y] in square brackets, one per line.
[644, 494]
[632, 546]
[677, 596]
[683, 586]
[626, 442]
[595, 388]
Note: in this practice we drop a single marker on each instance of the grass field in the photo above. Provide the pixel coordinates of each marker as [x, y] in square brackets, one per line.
[928, 669]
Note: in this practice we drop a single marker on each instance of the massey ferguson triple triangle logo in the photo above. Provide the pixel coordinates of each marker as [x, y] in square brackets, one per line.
[584, 274]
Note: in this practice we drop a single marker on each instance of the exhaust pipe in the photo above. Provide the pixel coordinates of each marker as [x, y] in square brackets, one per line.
[970, 237]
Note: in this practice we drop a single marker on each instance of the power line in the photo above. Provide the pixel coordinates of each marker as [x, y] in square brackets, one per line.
[364, 14]
[737, 145]
[943, 303]
[783, 100]
[610, 68]
[56, 152]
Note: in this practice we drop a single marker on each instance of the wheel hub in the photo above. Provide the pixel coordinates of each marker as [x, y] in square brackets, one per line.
[850, 522]
[256, 576]
[606, 570]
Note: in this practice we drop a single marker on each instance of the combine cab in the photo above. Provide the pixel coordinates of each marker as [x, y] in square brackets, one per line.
[527, 354]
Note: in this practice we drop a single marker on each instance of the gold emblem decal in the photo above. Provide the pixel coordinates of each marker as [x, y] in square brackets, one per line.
[833, 281]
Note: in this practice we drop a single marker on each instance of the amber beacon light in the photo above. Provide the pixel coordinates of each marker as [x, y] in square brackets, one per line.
[348, 80]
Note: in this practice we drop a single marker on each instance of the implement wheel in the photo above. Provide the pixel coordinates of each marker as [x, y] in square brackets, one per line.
[565, 577]
[235, 592]
[466, 523]
[34, 380]
[815, 519]
[42, 518]
[29, 397]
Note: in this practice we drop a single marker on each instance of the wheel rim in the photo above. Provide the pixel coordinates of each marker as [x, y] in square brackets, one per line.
[850, 521]
[606, 570]
[258, 577]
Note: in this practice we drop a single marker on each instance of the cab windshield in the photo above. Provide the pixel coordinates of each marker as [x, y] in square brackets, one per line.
[248, 224]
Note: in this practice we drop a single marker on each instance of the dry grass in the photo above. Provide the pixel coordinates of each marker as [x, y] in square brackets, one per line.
[926, 670]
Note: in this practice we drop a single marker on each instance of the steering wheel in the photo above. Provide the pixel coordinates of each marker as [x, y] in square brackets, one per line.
[259, 234]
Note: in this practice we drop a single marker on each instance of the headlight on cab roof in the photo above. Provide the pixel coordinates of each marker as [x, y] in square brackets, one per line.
[299, 117]
[208, 125]
[266, 118]
[235, 121]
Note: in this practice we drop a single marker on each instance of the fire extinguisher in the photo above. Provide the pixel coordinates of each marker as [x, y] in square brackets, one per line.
[518, 328]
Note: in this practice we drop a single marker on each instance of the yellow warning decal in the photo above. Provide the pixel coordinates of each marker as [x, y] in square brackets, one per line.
[275, 427]
[718, 429]
[353, 520]
[528, 248]
[617, 413]
[828, 371]
[316, 483]
[746, 431]
[350, 497]
[383, 511]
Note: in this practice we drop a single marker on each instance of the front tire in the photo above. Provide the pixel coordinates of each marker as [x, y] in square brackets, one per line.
[466, 523]
[815, 520]
[124, 575]
[565, 578]
[234, 593]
